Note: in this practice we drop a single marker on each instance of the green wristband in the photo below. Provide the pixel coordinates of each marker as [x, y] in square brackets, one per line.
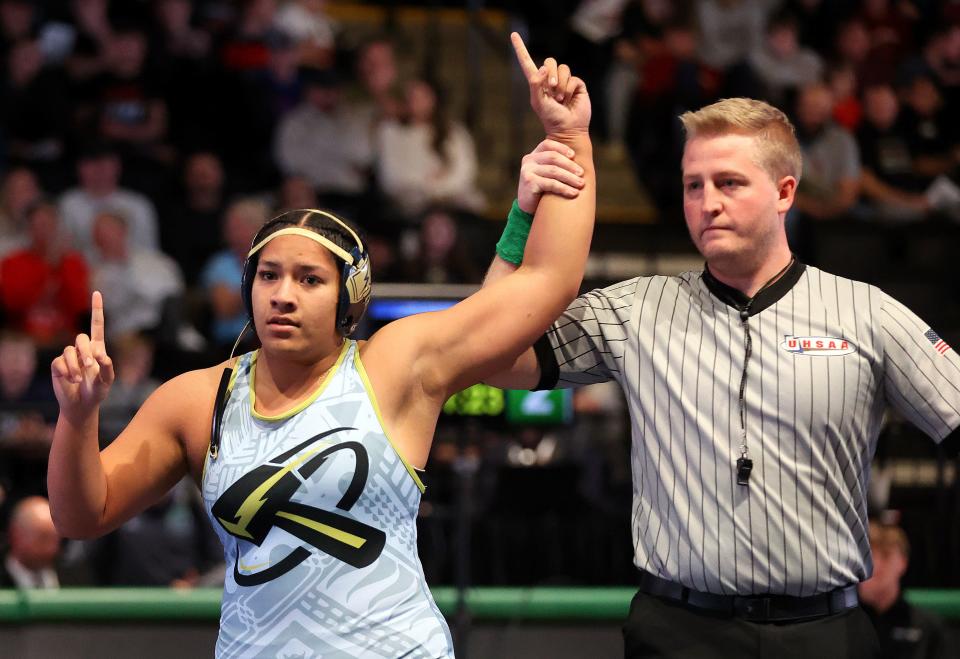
[514, 238]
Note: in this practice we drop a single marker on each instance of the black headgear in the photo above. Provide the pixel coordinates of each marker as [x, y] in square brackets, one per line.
[355, 281]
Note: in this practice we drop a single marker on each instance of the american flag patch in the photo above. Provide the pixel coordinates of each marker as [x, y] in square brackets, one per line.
[938, 344]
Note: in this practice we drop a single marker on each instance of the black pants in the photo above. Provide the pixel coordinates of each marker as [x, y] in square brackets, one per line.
[663, 628]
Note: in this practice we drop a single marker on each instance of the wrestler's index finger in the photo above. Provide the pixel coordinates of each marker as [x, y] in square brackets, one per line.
[529, 69]
[96, 317]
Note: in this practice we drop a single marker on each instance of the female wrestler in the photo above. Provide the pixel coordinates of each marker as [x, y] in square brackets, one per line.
[310, 471]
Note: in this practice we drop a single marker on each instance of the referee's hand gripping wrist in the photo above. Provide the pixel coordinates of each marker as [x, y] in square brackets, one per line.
[549, 168]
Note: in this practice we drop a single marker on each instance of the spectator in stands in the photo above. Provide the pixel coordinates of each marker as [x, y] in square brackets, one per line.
[890, 186]
[852, 48]
[222, 274]
[134, 359]
[327, 143]
[17, 24]
[245, 49]
[312, 31]
[244, 134]
[641, 36]
[940, 57]
[890, 27]
[385, 263]
[781, 65]
[179, 40]
[92, 27]
[35, 114]
[847, 108]
[19, 190]
[932, 134]
[28, 409]
[427, 159]
[23, 390]
[28, 412]
[905, 631]
[44, 287]
[730, 30]
[590, 36]
[830, 185]
[380, 92]
[441, 255]
[137, 284]
[190, 226]
[181, 53]
[34, 546]
[831, 162]
[296, 192]
[672, 81]
[817, 21]
[169, 544]
[98, 171]
[128, 110]
[281, 84]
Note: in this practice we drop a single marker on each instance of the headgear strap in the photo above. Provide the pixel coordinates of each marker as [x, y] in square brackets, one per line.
[306, 233]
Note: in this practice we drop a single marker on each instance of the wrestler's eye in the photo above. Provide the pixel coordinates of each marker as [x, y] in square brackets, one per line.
[266, 275]
[311, 280]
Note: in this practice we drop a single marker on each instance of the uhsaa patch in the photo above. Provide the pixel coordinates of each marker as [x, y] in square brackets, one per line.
[817, 346]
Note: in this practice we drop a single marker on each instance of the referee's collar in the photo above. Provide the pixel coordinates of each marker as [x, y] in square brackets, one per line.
[764, 298]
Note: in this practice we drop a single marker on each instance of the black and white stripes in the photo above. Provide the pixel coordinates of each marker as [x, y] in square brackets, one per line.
[829, 354]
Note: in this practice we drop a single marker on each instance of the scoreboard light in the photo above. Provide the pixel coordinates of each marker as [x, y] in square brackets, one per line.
[539, 408]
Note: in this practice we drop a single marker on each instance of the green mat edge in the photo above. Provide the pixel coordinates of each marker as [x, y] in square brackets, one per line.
[539, 604]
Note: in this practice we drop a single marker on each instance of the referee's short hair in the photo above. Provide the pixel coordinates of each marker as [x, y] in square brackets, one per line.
[777, 147]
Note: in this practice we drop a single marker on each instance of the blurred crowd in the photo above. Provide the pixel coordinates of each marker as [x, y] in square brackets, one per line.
[870, 84]
[143, 142]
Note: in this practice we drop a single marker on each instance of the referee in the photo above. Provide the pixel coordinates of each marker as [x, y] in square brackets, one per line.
[756, 389]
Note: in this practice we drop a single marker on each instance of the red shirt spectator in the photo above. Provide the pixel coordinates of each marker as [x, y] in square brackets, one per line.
[44, 288]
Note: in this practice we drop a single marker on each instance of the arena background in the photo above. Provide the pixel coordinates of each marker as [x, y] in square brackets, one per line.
[204, 104]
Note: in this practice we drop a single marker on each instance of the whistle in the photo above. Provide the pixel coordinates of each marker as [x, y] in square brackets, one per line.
[744, 466]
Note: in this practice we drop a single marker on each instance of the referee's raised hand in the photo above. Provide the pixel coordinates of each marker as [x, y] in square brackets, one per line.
[559, 98]
[82, 375]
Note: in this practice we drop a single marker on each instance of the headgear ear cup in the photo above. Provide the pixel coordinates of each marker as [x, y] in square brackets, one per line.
[355, 288]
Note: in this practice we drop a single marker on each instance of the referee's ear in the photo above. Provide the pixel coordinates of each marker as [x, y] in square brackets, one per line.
[786, 190]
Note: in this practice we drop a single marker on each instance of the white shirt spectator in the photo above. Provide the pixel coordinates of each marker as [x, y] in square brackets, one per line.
[332, 149]
[305, 25]
[414, 176]
[598, 20]
[730, 31]
[78, 210]
[803, 68]
[135, 290]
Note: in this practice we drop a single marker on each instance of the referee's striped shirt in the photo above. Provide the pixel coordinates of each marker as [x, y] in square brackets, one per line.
[828, 355]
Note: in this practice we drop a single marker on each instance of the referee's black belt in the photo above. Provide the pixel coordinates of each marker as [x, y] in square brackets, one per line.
[755, 608]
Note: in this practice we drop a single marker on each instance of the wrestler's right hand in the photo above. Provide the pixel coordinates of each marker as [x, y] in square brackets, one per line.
[559, 99]
[82, 375]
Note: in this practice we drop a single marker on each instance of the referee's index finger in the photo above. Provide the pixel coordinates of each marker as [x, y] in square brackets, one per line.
[526, 62]
[96, 317]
